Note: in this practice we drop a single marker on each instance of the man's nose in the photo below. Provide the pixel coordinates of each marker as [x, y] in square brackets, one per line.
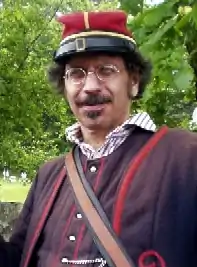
[91, 83]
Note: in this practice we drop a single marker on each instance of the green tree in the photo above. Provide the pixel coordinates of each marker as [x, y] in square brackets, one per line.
[32, 117]
[167, 33]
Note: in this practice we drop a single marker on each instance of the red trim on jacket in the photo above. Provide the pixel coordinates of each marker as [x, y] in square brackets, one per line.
[119, 205]
[157, 260]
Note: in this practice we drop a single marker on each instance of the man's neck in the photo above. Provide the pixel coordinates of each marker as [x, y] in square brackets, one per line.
[94, 138]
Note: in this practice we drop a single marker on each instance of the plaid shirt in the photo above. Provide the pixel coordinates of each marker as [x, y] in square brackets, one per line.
[114, 139]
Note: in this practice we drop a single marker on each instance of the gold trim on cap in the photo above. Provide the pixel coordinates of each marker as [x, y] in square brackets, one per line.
[98, 33]
[86, 20]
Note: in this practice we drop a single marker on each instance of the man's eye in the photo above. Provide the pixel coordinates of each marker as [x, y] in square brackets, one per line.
[76, 73]
[106, 70]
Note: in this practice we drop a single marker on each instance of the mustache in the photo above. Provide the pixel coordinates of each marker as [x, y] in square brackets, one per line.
[92, 100]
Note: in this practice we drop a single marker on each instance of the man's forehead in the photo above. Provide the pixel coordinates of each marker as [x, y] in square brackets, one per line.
[96, 58]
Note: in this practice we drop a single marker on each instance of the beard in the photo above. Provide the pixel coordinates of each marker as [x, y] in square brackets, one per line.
[93, 114]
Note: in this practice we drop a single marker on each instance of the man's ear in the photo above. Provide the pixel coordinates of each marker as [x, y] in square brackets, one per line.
[134, 90]
[134, 84]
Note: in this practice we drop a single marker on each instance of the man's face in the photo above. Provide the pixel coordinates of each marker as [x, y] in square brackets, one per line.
[99, 99]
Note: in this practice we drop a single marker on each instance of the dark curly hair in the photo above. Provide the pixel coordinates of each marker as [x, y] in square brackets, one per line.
[134, 62]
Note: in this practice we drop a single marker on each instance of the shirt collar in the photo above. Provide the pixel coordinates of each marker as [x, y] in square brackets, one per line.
[143, 120]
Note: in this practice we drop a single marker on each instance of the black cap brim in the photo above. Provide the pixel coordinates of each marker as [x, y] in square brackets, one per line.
[93, 44]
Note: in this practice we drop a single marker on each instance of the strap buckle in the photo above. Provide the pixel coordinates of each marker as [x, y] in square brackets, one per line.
[80, 44]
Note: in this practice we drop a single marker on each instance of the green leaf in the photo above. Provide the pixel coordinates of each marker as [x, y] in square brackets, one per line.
[156, 37]
[194, 14]
[183, 79]
[154, 16]
[183, 22]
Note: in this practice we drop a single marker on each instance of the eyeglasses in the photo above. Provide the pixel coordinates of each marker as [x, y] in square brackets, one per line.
[103, 73]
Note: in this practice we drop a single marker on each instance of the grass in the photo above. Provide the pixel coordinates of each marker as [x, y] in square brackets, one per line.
[13, 192]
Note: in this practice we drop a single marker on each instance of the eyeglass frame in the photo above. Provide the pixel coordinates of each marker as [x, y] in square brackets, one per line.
[86, 73]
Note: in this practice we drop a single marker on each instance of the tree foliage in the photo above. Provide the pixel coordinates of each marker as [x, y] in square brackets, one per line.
[167, 34]
[33, 117]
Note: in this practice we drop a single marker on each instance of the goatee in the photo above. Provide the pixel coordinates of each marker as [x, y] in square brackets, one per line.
[93, 114]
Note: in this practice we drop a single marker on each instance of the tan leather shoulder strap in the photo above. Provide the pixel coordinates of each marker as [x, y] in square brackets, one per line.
[93, 217]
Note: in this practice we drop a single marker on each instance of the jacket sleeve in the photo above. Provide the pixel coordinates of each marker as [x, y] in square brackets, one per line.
[11, 252]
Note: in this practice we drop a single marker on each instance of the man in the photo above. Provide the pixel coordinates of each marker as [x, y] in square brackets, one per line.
[145, 180]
